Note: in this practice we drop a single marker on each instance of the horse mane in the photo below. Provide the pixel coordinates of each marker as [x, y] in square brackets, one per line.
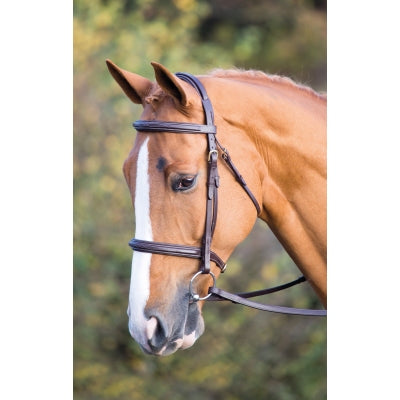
[260, 76]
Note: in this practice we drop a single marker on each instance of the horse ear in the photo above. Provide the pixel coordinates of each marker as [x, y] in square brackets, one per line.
[170, 83]
[136, 87]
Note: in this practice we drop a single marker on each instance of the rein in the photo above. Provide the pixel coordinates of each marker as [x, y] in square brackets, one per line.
[204, 253]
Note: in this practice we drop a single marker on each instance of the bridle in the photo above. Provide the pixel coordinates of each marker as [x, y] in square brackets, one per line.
[204, 253]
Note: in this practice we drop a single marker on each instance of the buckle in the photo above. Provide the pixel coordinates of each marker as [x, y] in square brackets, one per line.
[212, 152]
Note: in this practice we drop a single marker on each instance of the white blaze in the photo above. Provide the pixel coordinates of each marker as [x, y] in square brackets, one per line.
[140, 274]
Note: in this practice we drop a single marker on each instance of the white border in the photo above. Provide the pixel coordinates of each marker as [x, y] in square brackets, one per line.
[363, 199]
[36, 200]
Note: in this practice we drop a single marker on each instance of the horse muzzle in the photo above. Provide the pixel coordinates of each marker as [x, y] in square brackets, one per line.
[162, 333]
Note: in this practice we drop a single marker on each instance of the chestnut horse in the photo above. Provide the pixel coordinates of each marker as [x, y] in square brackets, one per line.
[275, 131]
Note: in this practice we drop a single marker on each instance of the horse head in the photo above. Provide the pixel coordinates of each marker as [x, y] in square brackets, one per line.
[167, 177]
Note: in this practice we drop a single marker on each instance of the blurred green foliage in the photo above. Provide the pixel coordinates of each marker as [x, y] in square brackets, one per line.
[244, 354]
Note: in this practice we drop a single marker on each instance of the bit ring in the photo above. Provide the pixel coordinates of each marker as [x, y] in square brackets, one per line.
[194, 296]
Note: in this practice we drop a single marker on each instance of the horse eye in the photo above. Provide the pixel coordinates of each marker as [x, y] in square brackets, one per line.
[184, 182]
[187, 182]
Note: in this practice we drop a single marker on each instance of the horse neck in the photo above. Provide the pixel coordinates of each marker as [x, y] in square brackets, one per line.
[283, 129]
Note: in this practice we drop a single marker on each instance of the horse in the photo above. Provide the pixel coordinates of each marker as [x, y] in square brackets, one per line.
[275, 130]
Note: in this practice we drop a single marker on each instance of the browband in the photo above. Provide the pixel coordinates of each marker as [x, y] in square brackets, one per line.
[173, 127]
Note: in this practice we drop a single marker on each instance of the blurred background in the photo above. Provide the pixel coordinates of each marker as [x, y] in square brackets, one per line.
[244, 353]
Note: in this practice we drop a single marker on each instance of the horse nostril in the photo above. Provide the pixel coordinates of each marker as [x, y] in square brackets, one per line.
[156, 334]
[151, 326]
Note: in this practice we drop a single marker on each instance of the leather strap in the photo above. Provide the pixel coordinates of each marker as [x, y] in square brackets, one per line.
[237, 299]
[262, 292]
[176, 250]
[239, 177]
[206, 102]
[240, 298]
[213, 178]
[173, 127]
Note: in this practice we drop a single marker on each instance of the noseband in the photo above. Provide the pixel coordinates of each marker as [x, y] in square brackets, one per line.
[204, 253]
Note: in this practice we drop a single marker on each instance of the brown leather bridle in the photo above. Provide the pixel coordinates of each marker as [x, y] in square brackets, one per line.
[204, 253]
